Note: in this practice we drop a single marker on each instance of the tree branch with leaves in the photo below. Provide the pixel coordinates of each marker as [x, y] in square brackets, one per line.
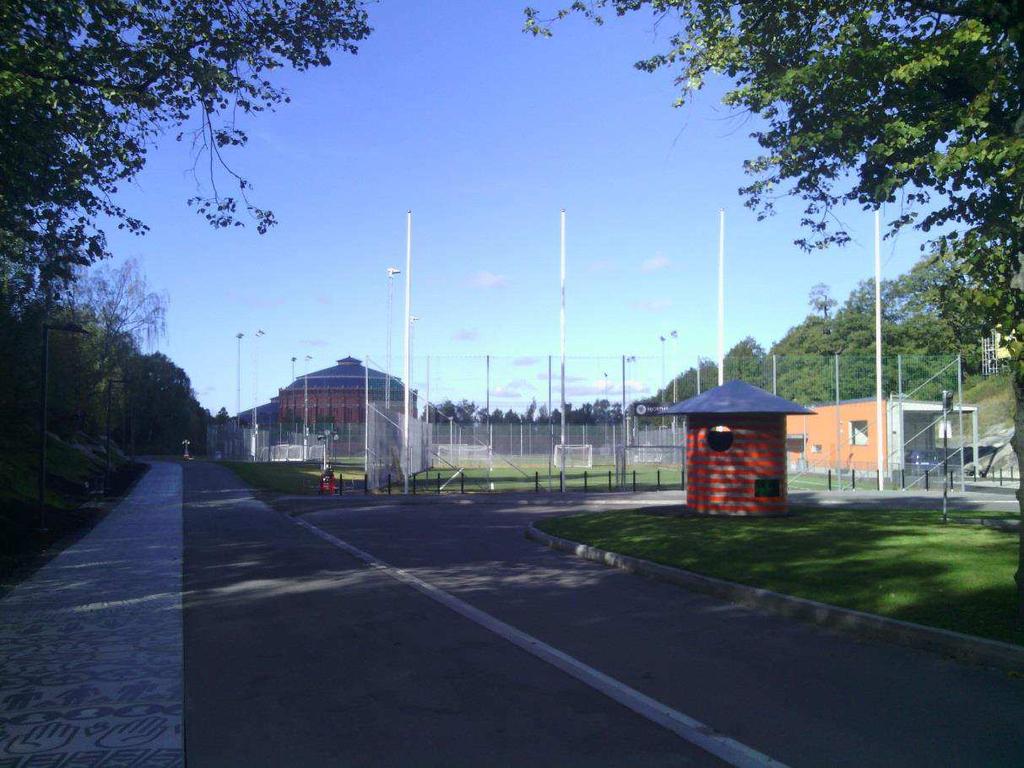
[915, 102]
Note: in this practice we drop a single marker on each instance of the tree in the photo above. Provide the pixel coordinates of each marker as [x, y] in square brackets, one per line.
[125, 312]
[88, 86]
[222, 417]
[915, 102]
[165, 409]
[820, 300]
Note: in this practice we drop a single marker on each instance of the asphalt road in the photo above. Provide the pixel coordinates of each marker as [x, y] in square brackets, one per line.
[297, 653]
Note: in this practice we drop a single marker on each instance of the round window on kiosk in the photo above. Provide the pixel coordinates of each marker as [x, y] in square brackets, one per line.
[719, 438]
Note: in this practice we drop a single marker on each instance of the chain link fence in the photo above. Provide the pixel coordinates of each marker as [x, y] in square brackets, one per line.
[492, 423]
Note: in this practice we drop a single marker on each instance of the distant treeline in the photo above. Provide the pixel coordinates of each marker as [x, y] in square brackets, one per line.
[98, 377]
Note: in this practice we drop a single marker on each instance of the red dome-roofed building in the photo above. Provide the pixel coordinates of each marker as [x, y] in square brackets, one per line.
[736, 450]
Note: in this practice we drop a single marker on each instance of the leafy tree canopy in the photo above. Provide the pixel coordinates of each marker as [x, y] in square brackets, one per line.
[87, 87]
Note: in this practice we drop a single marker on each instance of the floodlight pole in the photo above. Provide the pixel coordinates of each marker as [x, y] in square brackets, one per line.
[625, 426]
[562, 329]
[255, 395]
[880, 428]
[392, 271]
[674, 335]
[721, 296]
[305, 411]
[407, 362]
[366, 414]
[947, 398]
[663, 380]
[839, 440]
[551, 426]
[238, 378]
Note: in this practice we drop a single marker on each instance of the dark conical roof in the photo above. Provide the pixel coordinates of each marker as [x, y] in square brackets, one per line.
[736, 397]
[349, 373]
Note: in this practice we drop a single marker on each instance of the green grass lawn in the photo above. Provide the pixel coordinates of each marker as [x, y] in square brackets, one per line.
[290, 477]
[296, 478]
[904, 565]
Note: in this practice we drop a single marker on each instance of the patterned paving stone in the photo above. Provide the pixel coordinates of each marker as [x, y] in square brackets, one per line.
[91, 659]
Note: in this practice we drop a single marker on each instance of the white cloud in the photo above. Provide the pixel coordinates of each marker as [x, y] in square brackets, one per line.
[465, 334]
[488, 280]
[652, 305]
[503, 391]
[313, 342]
[525, 361]
[655, 263]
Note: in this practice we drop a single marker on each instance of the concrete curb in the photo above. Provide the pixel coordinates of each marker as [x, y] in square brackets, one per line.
[571, 498]
[976, 650]
[995, 490]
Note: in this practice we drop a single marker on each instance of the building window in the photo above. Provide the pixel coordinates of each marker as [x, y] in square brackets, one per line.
[859, 432]
[770, 487]
[719, 438]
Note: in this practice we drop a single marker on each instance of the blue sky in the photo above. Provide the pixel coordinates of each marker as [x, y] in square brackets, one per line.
[485, 133]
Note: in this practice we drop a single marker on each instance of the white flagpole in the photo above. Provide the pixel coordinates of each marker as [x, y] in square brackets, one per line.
[721, 296]
[562, 328]
[880, 427]
[407, 363]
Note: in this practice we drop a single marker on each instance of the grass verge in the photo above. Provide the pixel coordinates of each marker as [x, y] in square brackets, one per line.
[899, 564]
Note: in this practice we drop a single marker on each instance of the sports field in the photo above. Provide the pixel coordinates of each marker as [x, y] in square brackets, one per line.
[294, 477]
[298, 478]
[503, 477]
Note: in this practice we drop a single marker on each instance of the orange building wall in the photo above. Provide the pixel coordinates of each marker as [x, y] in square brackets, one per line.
[821, 430]
[723, 483]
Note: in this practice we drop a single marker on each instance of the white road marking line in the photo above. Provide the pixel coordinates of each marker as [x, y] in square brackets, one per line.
[687, 728]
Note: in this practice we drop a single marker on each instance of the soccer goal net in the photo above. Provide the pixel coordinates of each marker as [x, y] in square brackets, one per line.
[463, 454]
[292, 452]
[567, 456]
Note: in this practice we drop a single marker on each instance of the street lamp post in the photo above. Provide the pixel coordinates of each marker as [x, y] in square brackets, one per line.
[47, 327]
[106, 466]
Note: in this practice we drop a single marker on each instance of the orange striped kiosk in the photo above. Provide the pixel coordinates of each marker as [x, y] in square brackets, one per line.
[736, 450]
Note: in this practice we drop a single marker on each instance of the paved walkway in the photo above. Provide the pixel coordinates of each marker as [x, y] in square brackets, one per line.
[91, 659]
